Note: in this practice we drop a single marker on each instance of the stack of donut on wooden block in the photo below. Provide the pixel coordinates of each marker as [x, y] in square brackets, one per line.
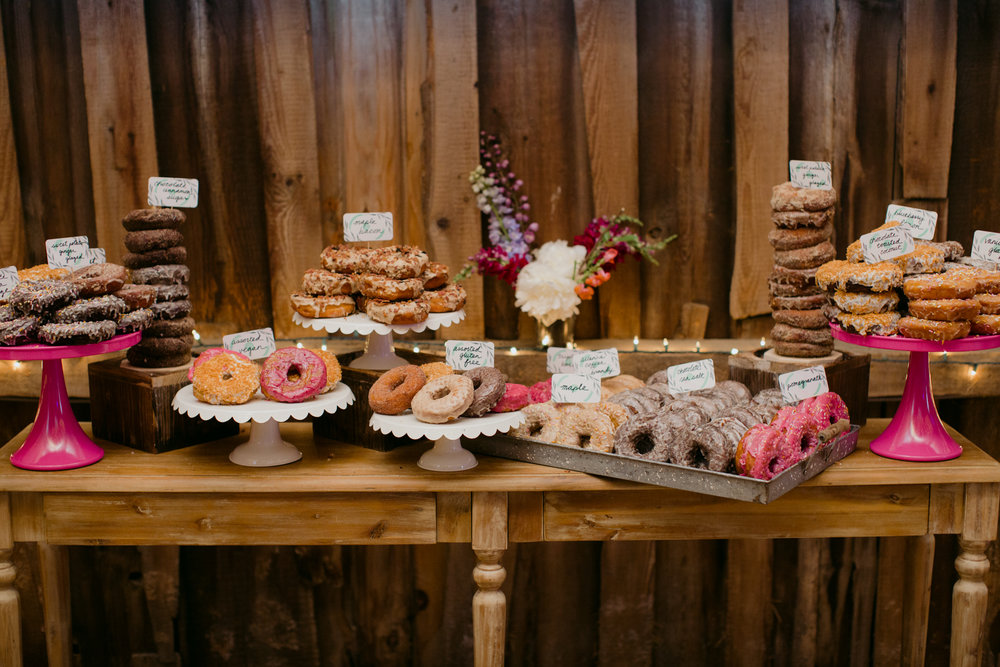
[803, 220]
[156, 256]
[392, 285]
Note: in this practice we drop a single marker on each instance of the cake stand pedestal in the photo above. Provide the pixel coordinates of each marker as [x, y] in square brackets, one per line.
[916, 432]
[265, 447]
[56, 441]
[379, 354]
[447, 455]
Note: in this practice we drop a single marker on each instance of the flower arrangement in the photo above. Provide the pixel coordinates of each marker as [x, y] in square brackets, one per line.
[550, 282]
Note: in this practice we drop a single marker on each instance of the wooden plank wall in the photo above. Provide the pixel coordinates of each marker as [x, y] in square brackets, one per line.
[292, 112]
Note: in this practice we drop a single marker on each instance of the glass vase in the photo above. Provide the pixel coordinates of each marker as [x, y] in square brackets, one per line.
[557, 334]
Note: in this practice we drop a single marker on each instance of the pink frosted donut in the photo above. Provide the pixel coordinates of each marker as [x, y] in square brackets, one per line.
[759, 452]
[208, 354]
[541, 392]
[780, 420]
[292, 374]
[801, 438]
[514, 397]
[825, 409]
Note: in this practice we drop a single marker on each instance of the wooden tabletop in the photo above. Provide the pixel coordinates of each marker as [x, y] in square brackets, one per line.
[328, 466]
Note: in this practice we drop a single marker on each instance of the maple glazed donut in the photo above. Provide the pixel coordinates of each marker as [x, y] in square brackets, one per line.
[399, 262]
[865, 303]
[375, 286]
[443, 399]
[950, 285]
[986, 325]
[488, 385]
[913, 327]
[435, 275]
[542, 421]
[646, 437]
[398, 312]
[616, 413]
[346, 258]
[447, 299]
[587, 429]
[392, 393]
[947, 310]
[436, 369]
[292, 375]
[225, 379]
[322, 306]
[320, 282]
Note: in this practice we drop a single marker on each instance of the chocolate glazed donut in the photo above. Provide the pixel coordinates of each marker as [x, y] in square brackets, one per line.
[488, 386]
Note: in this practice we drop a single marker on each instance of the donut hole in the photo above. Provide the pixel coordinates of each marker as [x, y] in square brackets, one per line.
[805, 444]
[699, 457]
[294, 373]
[440, 393]
[535, 428]
[773, 465]
[583, 440]
[644, 443]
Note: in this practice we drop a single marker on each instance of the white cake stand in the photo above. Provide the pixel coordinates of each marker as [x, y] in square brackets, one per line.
[447, 455]
[265, 447]
[379, 355]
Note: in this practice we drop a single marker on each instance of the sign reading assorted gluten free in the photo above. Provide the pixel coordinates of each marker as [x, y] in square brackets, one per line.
[920, 223]
[68, 252]
[172, 192]
[805, 174]
[463, 355]
[684, 378]
[986, 246]
[805, 383]
[575, 388]
[560, 360]
[255, 344]
[886, 244]
[8, 281]
[598, 363]
[367, 227]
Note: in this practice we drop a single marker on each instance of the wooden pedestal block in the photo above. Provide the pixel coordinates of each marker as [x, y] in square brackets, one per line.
[847, 377]
[351, 424]
[132, 407]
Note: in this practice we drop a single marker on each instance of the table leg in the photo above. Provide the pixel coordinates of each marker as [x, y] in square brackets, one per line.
[969, 596]
[10, 612]
[53, 564]
[917, 597]
[489, 605]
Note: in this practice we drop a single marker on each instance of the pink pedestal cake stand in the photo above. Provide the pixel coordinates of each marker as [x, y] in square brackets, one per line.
[56, 441]
[916, 432]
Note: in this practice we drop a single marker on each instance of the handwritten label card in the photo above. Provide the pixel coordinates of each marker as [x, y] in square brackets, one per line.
[68, 252]
[96, 256]
[598, 363]
[255, 344]
[575, 388]
[801, 384]
[463, 355]
[368, 226]
[886, 244]
[560, 360]
[172, 192]
[684, 378]
[920, 223]
[805, 174]
[986, 245]
[8, 281]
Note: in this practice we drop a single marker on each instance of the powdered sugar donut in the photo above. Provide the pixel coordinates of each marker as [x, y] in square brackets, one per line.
[292, 374]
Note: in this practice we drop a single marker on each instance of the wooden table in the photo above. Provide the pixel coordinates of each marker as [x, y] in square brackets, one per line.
[341, 494]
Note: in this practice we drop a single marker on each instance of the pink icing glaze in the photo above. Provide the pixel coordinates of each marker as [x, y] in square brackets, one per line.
[541, 392]
[767, 457]
[800, 440]
[826, 409]
[749, 446]
[780, 420]
[276, 384]
[208, 354]
[514, 397]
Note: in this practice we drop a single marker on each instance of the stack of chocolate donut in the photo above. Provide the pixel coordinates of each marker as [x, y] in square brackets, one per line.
[392, 285]
[89, 305]
[156, 258]
[803, 219]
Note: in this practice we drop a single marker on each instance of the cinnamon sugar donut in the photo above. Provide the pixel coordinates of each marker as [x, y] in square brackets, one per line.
[864, 303]
[782, 289]
[346, 258]
[392, 393]
[875, 324]
[989, 304]
[806, 258]
[646, 437]
[322, 306]
[333, 371]
[812, 302]
[542, 422]
[947, 310]
[375, 286]
[806, 319]
[801, 237]
[913, 327]
[435, 275]
[398, 312]
[950, 285]
[986, 325]
[794, 219]
[320, 282]
[587, 429]
[798, 277]
[443, 399]
[789, 334]
[225, 379]
[447, 299]
[788, 197]
[399, 262]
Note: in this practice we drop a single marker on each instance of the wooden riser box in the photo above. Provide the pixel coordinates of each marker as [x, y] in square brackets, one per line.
[132, 407]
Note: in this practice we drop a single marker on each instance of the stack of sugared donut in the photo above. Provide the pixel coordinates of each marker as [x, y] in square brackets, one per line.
[803, 220]
[156, 256]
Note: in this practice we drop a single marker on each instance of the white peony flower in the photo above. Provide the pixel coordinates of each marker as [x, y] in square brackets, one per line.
[545, 287]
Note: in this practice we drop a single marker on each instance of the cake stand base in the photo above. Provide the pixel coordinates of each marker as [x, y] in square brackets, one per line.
[379, 354]
[265, 448]
[447, 455]
[916, 432]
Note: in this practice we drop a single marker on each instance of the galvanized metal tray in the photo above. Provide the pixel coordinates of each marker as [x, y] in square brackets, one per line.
[724, 485]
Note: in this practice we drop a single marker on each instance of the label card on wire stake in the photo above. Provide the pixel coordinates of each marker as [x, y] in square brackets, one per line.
[806, 383]
[684, 378]
[255, 344]
[8, 281]
[463, 355]
[920, 223]
[172, 192]
[575, 388]
[598, 363]
[68, 252]
[886, 244]
[368, 227]
[805, 174]
[986, 246]
[560, 360]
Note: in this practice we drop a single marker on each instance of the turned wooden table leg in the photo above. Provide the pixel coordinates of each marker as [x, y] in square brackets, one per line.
[489, 606]
[969, 597]
[10, 612]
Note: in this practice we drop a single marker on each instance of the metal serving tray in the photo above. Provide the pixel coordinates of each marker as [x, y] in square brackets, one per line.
[724, 485]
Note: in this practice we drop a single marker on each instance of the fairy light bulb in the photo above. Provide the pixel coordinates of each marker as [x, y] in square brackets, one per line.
[973, 370]
[197, 336]
[635, 343]
[323, 347]
[666, 345]
[416, 348]
[697, 346]
[513, 350]
[734, 351]
[298, 344]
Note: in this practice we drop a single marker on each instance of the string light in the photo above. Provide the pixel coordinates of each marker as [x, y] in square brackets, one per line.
[416, 348]
[734, 351]
[323, 347]
[547, 340]
[513, 350]
[666, 345]
[973, 370]
[635, 343]
[197, 336]
[298, 344]
[17, 365]
[697, 346]
[763, 343]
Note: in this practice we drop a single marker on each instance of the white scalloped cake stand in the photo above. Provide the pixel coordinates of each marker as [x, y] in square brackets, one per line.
[379, 355]
[265, 447]
[447, 455]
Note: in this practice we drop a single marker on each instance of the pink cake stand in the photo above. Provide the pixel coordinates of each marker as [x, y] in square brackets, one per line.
[56, 441]
[916, 432]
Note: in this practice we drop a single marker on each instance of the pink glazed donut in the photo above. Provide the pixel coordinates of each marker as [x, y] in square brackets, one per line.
[541, 392]
[825, 409]
[208, 354]
[292, 374]
[801, 440]
[514, 398]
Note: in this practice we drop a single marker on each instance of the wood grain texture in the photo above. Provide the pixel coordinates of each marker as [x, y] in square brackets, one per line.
[930, 36]
[627, 596]
[288, 146]
[748, 587]
[327, 66]
[10, 619]
[53, 566]
[119, 114]
[760, 52]
[13, 247]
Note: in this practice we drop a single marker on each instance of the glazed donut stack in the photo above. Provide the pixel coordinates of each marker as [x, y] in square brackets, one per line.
[156, 256]
[803, 220]
[436, 394]
[392, 285]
